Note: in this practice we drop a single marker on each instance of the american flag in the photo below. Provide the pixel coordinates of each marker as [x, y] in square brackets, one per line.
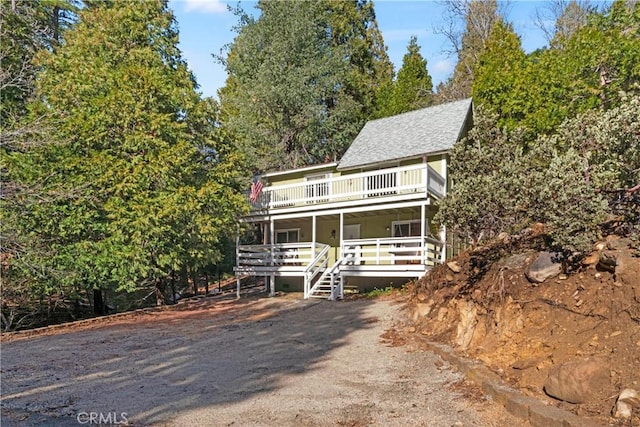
[256, 190]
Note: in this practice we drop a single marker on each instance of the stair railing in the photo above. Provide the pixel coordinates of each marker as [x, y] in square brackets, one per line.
[318, 264]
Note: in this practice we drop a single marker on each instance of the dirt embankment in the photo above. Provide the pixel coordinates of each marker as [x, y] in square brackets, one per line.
[579, 331]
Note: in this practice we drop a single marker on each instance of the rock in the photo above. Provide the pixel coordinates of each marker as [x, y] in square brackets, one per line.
[608, 260]
[577, 381]
[421, 310]
[627, 400]
[467, 324]
[421, 297]
[543, 268]
[442, 313]
[454, 266]
[504, 237]
[627, 269]
[591, 259]
[617, 243]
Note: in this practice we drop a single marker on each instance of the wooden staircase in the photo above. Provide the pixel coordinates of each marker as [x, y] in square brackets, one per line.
[328, 286]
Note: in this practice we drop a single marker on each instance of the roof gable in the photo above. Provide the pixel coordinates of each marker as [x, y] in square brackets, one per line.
[428, 130]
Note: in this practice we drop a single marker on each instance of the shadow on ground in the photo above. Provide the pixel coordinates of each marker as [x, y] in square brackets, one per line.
[149, 368]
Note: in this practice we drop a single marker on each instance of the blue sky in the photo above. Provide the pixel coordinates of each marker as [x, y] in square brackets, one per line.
[206, 26]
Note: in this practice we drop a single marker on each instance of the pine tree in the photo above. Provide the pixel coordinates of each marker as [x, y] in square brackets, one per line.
[499, 73]
[413, 88]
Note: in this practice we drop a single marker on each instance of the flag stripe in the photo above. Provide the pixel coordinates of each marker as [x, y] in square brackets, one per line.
[256, 190]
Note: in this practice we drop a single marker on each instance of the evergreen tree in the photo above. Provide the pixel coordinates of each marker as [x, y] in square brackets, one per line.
[413, 88]
[353, 25]
[301, 80]
[588, 70]
[499, 73]
[138, 184]
[25, 28]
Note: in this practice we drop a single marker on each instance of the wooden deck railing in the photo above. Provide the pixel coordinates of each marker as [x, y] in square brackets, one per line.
[299, 255]
[392, 251]
[419, 178]
[309, 260]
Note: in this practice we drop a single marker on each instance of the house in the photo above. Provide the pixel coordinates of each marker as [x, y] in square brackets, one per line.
[363, 221]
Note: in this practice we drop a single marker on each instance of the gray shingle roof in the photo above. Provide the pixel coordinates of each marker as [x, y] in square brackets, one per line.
[407, 135]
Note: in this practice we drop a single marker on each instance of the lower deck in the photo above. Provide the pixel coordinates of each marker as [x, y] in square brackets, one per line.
[324, 271]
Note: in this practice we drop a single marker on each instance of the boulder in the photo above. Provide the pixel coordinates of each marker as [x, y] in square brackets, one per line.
[608, 260]
[467, 325]
[543, 268]
[618, 243]
[627, 269]
[627, 400]
[578, 381]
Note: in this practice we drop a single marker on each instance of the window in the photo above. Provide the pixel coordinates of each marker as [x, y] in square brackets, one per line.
[288, 236]
[317, 190]
[410, 228]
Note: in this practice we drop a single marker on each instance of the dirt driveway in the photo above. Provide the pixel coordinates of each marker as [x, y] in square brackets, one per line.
[253, 362]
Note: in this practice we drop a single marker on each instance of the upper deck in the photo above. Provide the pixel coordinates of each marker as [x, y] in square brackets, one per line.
[326, 191]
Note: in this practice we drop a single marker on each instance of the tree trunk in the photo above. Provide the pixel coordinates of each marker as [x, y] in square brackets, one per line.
[173, 287]
[98, 302]
[160, 286]
[194, 277]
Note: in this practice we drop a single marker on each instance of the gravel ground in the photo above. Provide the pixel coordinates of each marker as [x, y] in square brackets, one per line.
[255, 362]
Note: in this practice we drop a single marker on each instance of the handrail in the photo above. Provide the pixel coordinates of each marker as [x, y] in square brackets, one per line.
[276, 254]
[418, 178]
[319, 262]
[328, 272]
[386, 250]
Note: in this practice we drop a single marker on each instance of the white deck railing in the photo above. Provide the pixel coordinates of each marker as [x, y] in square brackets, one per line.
[395, 250]
[310, 260]
[419, 178]
[304, 255]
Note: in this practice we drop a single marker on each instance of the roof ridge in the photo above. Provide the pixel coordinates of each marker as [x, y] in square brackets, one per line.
[421, 109]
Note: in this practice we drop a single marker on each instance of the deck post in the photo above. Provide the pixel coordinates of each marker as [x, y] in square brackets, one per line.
[272, 234]
[443, 239]
[425, 174]
[238, 262]
[423, 227]
[272, 285]
[313, 236]
[341, 233]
